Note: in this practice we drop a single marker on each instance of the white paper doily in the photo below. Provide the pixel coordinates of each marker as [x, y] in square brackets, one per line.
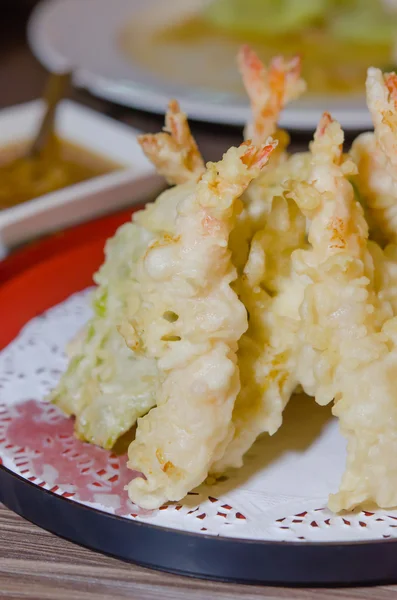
[280, 494]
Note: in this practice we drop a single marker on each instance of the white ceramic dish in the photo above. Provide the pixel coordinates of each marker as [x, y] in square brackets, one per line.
[85, 200]
[85, 36]
[264, 523]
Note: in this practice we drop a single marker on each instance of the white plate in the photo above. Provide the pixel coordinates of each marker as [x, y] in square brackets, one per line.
[85, 34]
[280, 494]
[85, 200]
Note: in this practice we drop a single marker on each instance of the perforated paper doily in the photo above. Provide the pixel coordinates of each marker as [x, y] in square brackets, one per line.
[280, 494]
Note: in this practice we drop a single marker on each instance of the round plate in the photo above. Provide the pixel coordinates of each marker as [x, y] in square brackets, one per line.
[73, 489]
[62, 35]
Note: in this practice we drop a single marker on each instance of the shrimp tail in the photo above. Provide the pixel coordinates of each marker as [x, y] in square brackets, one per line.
[269, 90]
[174, 151]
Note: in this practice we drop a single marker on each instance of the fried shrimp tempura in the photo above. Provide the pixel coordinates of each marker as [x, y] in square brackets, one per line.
[174, 152]
[213, 305]
[268, 230]
[338, 235]
[266, 351]
[269, 90]
[190, 323]
[376, 157]
[108, 385]
[348, 338]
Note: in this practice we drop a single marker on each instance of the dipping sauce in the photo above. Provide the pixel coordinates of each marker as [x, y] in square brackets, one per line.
[59, 165]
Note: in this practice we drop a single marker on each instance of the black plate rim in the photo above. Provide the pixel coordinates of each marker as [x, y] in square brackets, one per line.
[206, 556]
[191, 533]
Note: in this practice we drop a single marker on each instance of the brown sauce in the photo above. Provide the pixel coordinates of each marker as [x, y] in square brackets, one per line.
[60, 165]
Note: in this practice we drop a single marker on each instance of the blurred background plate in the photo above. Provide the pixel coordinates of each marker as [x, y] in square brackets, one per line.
[110, 45]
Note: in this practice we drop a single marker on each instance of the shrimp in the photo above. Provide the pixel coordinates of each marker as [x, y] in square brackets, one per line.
[108, 385]
[347, 333]
[376, 157]
[174, 152]
[190, 323]
[337, 233]
[268, 90]
[382, 104]
[266, 351]
[268, 229]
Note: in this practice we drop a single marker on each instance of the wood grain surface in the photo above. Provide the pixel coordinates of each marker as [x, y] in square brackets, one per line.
[34, 564]
[37, 565]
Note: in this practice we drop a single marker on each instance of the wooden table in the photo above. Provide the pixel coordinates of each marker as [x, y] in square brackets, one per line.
[35, 564]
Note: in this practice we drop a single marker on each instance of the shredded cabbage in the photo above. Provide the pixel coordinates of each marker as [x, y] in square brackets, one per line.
[107, 386]
[265, 16]
[364, 21]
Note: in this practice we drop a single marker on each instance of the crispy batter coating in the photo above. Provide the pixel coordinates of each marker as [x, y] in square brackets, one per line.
[347, 330]
[247, 280]
[190, 322]
[266, 354]
[376, 157]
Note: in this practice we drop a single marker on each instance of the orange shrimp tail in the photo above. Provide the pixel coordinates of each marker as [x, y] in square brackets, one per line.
[176, 123]
[257, 78]
[281, 69]
[324, 122]
[253, 72]
[257, 156]
[250, 63]
[391, 84]
[269, 90]
[174, 151]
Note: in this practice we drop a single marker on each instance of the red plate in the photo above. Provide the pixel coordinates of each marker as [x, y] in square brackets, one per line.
[47, 272]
